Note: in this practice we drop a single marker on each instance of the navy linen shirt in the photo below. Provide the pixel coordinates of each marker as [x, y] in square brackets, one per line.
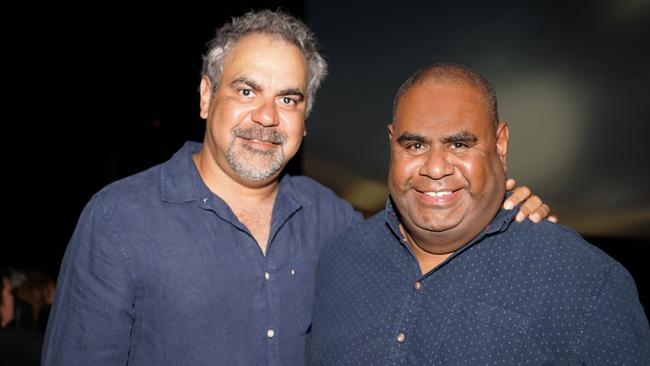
[518, 294]
[159, 271]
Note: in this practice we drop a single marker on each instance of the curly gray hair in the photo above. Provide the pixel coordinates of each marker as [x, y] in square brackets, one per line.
[270, 22]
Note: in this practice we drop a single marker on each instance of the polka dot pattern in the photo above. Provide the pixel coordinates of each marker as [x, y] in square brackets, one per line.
[518, 294]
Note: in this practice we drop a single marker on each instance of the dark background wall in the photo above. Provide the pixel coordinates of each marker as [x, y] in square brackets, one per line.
[100, 92]
[571, 79]
[96, 93]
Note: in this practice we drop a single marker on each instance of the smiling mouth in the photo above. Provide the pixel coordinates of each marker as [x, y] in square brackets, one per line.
[439, 197]
[260, 146]
[438, 194]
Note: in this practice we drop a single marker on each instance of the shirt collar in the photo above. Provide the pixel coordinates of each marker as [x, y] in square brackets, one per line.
[178, 175]
[391, 218]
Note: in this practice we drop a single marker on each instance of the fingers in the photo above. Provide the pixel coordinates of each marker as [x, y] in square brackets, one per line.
[536, 211]
[530, 209]
[540, 213]
[518, 195]
[510, 184]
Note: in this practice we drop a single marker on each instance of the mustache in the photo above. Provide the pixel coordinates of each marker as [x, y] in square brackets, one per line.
[259, 133]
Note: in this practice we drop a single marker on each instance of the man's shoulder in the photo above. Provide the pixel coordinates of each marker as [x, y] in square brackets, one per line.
[364, 235]
[546, 239]
[348, 251]
[154, 183]
[134, 193]
[137, 187]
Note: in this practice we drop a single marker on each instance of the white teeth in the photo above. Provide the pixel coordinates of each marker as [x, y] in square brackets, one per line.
[438, 194]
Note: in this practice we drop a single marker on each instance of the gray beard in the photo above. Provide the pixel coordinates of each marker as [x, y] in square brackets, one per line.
[253, 164]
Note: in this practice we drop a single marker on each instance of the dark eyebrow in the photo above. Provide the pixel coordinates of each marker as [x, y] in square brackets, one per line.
[293, 91]
[255, 86]
[248, 81]
[462, 136]
[410, 137]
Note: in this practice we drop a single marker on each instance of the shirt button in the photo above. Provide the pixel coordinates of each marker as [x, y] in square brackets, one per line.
[418, 285]
[267, 275]
[270, 333]
[293, 273]
[400, 337]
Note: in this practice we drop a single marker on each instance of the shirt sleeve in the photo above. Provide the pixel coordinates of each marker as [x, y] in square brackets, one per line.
[93, 311]
[615, 329]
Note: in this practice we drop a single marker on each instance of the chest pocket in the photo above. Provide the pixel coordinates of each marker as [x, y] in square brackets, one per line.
[483, 333]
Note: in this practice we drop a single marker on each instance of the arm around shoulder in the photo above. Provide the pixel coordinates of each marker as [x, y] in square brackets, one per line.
[93, 312]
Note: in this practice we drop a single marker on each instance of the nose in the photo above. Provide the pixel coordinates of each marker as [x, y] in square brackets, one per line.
[266, 114]
[437, 165]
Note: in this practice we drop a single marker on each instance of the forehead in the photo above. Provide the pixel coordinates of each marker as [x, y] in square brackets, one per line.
[450, 106]
[262, 56]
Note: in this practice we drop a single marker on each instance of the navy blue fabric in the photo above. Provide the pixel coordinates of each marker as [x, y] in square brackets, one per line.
[159, 271]
[518, 294]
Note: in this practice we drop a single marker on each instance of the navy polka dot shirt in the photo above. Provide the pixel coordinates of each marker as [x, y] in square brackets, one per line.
[518, 294]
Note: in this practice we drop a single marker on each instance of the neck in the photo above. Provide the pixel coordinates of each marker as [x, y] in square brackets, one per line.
[428, 256]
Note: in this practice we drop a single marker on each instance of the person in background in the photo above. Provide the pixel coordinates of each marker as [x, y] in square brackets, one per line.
[38, 291]
[446, 276]
[209, 258]
[18, 347]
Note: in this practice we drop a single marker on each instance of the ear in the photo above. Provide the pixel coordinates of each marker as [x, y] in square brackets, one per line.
[503, 136]
[205, 96]
[390, 131]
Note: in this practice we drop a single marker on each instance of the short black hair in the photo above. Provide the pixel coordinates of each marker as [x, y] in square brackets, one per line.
[449, 72]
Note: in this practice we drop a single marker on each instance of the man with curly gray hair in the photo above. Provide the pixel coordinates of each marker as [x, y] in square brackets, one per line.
[209, 258]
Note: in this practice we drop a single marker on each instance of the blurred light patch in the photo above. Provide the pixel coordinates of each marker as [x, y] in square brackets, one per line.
[628, 11]
[365, 194]
[546, 114]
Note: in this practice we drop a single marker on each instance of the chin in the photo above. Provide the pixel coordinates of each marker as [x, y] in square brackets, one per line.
[437, 223]
[440, 228]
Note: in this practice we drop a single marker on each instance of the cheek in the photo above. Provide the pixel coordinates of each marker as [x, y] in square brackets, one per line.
[227, 112]
[476, 171]
[291, 146]
[467, 168]
[227, 115]
[294, 129]
[403, 167]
